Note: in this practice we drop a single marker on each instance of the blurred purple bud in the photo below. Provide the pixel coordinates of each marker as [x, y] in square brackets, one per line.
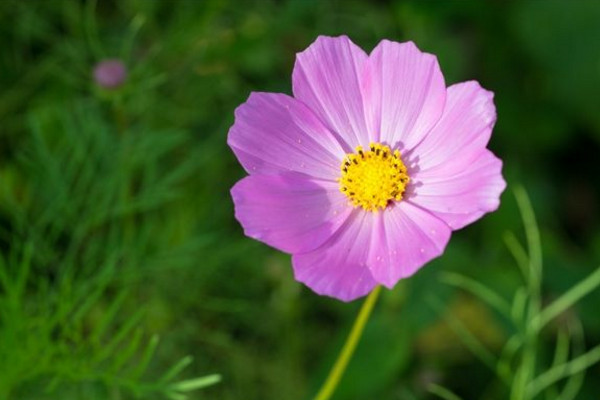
[110, 74]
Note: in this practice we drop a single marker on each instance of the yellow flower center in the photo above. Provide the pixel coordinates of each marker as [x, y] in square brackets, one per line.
[373, 178]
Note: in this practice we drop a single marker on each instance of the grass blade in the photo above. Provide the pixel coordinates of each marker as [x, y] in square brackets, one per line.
[519, 304]
[532, 233]
[442, 392]
[479, 290]
[575, 381]
[559, 372]
[197, 383]
[139, 370]
[518, 253]
[568, 299]
[177, 368]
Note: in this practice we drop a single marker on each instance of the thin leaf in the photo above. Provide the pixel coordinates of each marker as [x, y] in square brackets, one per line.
[569, 298]
[119, 336]
[24, 269]
[561, 352]
[532, 233]
[128, 352]
[90, 300]
[197, 383]
[108, 317]
[575, 381]
[177, 368]
[518, 253]
[559, 372]
[139, 370]
[519, 303]
[479, 290]
[176, 396]
[442, 392]
[5, 283]
[504, 366]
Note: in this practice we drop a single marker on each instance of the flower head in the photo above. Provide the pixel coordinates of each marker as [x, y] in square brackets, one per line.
[366, 171]
[110, 74]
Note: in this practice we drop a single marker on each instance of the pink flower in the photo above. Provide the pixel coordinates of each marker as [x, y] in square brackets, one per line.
[366, 171]
[110, 74]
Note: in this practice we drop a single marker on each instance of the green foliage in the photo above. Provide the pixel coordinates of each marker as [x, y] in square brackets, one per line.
[518, 364]
[56, 335]
[83, 211]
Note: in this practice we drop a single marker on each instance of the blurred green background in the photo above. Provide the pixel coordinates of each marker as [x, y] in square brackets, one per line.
[116, 223]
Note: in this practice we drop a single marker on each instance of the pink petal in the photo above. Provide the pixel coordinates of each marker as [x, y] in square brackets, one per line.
[276, 133]
[405, 237]
[290, 211]
[327, 77]
[464, 129]
[339, 267]
[406, 91]
[458, 193]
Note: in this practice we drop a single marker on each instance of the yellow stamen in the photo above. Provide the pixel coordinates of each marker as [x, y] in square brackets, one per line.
[373, 178]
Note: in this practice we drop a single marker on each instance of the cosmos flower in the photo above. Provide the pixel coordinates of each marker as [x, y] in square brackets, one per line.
[110, 73]
[364, 173]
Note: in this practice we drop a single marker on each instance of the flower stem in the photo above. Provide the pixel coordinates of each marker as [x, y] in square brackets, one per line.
[348, 350]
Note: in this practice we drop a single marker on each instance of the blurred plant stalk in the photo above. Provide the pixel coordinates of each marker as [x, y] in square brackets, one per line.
[337, 371]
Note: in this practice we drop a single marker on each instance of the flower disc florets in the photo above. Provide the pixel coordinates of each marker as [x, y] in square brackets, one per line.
[373, 178]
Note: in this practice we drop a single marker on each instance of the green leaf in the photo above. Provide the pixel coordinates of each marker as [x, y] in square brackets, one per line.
[124, 355]
[139, 370]
[108, 316]
[507, 355]
[518, 253]
[175, 396]
[532, 233]
[197, 383]
[479, 290]
[559, 372]
[519, 304]
[561, 352]
[568, 299]
[118, 337]
[575, 381]
[176, 369]
[442, 392]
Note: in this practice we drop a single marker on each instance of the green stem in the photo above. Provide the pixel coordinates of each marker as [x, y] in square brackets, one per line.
[348, 350]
